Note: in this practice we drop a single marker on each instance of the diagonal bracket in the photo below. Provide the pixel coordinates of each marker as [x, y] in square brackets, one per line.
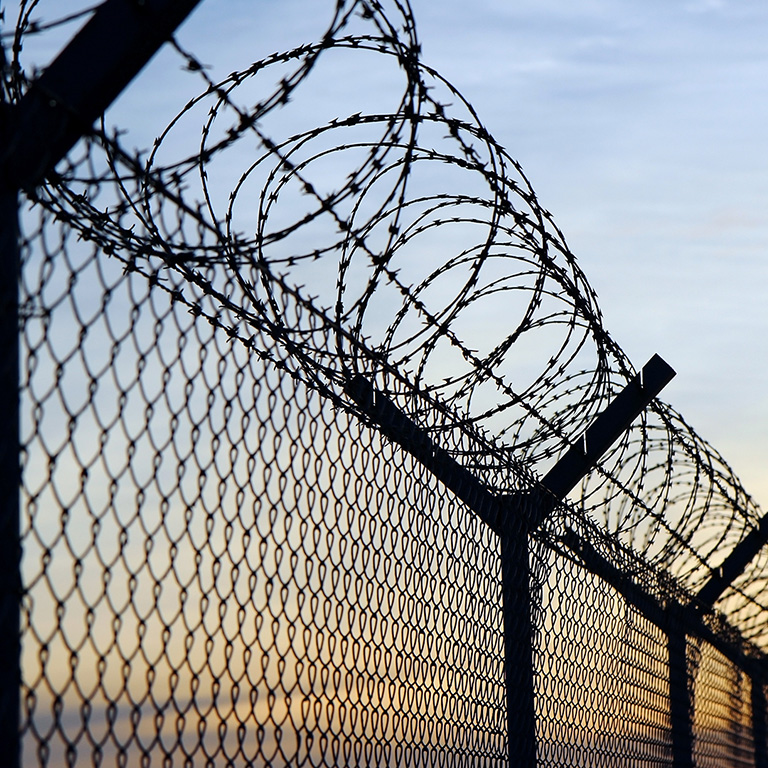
[734, 565]
[400, 429]
[608, 427]
[556, 484]
[84, 79]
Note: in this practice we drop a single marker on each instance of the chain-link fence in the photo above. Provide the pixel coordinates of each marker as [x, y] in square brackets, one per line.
[285, 495]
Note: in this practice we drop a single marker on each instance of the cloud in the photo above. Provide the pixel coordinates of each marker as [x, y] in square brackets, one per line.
[705, 6]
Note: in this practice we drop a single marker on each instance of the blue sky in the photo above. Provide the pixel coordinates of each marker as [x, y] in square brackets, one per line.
[642, 127]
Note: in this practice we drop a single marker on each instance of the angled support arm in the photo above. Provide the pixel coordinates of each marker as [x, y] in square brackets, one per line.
[85, 78]
[608, 427]
[735, 564]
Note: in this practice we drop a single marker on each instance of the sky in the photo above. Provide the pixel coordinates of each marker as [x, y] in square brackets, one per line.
[640, 125]
[642, 128]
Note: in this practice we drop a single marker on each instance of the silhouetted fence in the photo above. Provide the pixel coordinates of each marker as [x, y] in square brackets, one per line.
[371, 486]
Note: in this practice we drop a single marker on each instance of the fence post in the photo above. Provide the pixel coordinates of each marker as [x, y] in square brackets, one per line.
[518, 643]
[680, 701]
[10, 550]
[759, 734]
[511, 517]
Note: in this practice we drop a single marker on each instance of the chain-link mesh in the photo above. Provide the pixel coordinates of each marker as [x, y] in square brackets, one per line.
[723, 718]
[602, 677]
[228, 559]
[220, 565]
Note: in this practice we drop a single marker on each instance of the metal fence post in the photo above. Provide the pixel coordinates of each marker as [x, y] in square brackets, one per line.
[680, 701]
[518, 645]
[511, 517]
[759, 734]
[10, 551]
